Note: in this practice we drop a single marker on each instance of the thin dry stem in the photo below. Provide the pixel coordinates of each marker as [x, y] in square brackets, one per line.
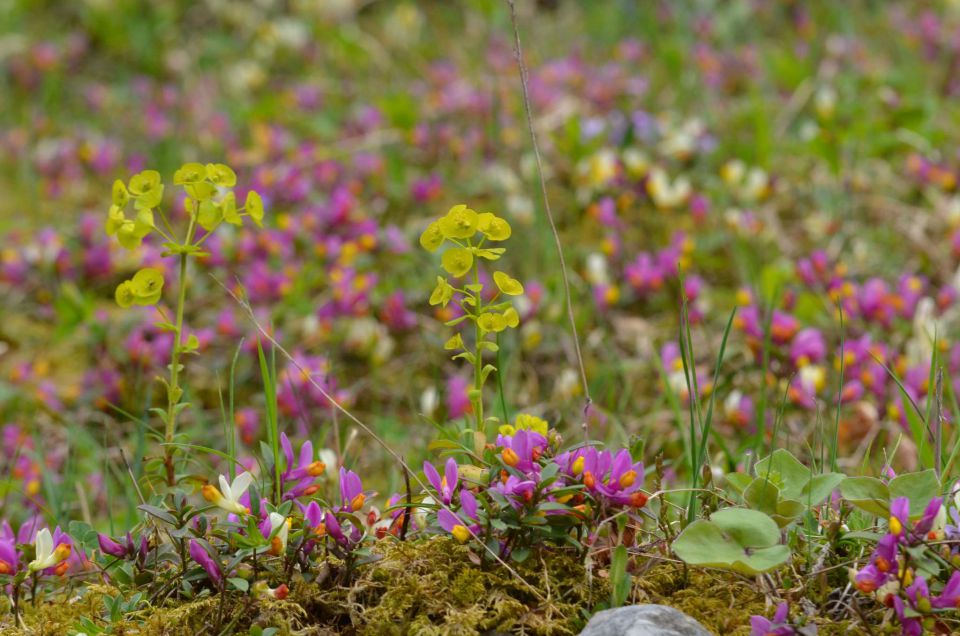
[518, 52]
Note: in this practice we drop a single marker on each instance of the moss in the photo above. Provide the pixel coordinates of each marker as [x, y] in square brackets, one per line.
[722, 601]
[434, 587]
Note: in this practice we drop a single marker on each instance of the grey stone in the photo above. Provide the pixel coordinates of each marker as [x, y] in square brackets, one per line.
[643, 620]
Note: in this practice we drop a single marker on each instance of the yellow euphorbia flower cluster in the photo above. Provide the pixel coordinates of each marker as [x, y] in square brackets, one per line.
[467, 234]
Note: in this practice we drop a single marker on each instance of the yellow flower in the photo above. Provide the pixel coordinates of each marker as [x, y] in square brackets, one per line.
[493, 227]
[146, 188]
[189, 173]
[124, 294]
[508, 285]
[229, 208]
[200, 191]
[456, 342]
[442, 293]
[120, 194]
[531, 423]
[511, 317]
[254, 207]
[128, 236]
[432, 237]
[221, 175]
[457, 261]
[492, 321]
[209, 215]
[459, 223]
[115, 219]
[147, 286]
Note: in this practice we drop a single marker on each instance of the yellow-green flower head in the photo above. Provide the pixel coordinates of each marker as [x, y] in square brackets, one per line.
[146, 188]
[493, 227]
[124, 294]
[511, 317]
[526, 422]
[432, 237]
[254, 207]
[455, 342]
[506, 284]
[457, 261]
[229, 208]
[492, 321]
[120, 194]
[209, 215]
[442, 293]
[115, 219]
[143, 223]
[128, 235]
[190, 173]
[147, 286]
[533, 423]
[221, 175]
[200, 191]
[459, 223]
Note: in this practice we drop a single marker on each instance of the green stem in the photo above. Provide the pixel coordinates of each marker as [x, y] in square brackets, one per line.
[174, 392]
[478, 354]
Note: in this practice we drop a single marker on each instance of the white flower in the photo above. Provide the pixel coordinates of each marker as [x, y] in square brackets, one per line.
[228, 497]
[280, 529]
[667, 195]
[47, 555]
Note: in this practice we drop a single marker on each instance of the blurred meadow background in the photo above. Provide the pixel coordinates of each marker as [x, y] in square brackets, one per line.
[794, 161]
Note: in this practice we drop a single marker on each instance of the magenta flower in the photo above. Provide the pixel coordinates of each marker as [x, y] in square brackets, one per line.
[778, 626]
[445, 486]
[200, 554]
[352, 496]
[518, 492]
[458, 404]
[522, 450]
[808, 347]
[299, 473]
[950, 596]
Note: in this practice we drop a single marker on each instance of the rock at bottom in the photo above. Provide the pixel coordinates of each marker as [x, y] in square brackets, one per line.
[643, 620]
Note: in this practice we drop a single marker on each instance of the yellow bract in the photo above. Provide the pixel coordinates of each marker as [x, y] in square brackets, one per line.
[457, 261]
[432, 237]
[456, 342]
[120, 194]
[145, 288]
[221, 175]
[190, 173]
[124, 294]
[115, 219]
[492, 321]
[147, 285]
[459, 223]
[493, 227]
[442, 293]
[229, 208]
[254, 207]
[531, 423]
[146, 188]
[506, 284]
[512, 317]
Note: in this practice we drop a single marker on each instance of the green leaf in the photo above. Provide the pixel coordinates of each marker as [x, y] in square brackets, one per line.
[239, 584]
[819, 488]
[739, 481]
[920, 488]
[762, 495]
[746, 541]
[619, 577]
[159, 513]
[867, 493]
[792, 475]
